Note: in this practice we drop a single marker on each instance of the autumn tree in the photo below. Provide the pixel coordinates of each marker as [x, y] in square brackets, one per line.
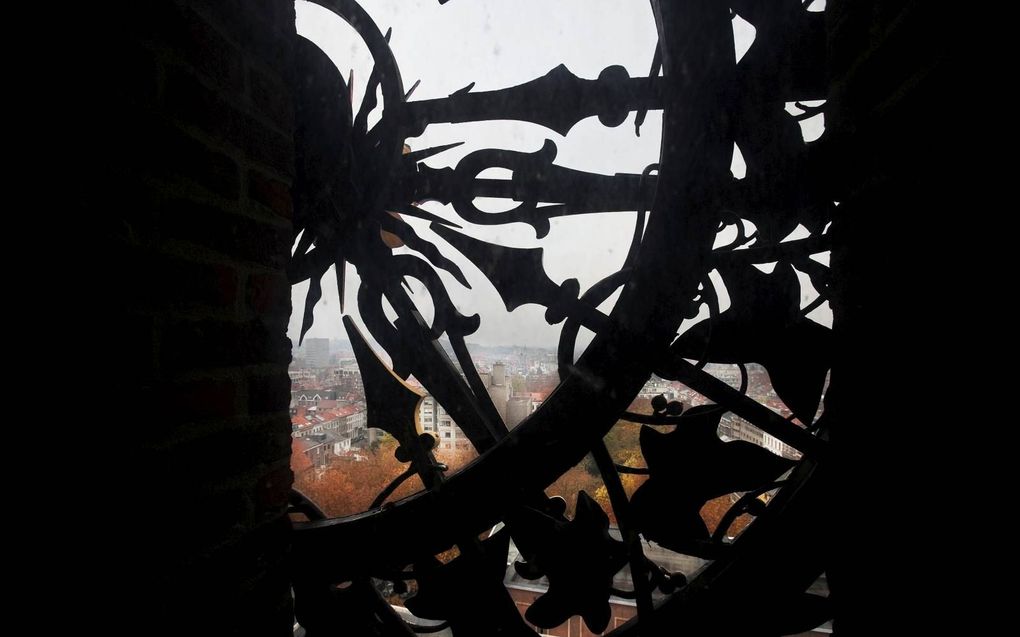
[714, 510]
[349, 485]
[299, 461]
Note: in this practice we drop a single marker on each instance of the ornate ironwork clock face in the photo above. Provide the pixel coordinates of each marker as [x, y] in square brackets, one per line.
[355, 189]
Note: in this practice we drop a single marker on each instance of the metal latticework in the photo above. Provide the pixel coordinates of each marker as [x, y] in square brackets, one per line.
[352, 177]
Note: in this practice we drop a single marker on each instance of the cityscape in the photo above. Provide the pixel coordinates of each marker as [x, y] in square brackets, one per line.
[335, 451]
[343, 465]
[328, 410]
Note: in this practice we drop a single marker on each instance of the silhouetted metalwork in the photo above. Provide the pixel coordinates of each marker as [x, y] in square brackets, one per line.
[557, 100]
[536, 179]
[691, 466]
[354, 182]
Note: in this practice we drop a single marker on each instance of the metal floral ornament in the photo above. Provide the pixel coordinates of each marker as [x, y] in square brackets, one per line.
[355, 186]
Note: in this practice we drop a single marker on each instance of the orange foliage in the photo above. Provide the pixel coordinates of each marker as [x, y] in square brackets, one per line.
[575, 479]
[714, 510]
[455, 459]
[299, 461]
[348, 486]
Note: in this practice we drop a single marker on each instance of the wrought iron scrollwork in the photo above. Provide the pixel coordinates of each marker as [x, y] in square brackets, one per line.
[354, 185]
[536, 179]
[557, 101]
[577, 556]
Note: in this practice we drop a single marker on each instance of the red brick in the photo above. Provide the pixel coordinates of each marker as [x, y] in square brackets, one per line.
[165, 282]
[210, 344]
[231, 234]
[171, 119]
[271, 193]
[265, 28]
[191, 38]
[269, 294]
[211, 285]
[271, 97]
[270, 148]
[195, 104]
[191, 101]
[165, 150]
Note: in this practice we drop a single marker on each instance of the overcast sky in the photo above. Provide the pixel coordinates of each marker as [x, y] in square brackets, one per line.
[497, 44]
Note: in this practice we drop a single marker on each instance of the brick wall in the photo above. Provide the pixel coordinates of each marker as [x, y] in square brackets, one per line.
[191, 155]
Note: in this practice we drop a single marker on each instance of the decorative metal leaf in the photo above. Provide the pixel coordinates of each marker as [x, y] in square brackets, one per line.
[391, 403]
[578, 557]
[787, 58]
[369, 102]
[688, 467]
[311, 298]
[764, 324]
[519, 278]
[323, 142]
[414, 242]
[468, 592]
[797, 367]
[516, 273]
[786, 62]
[353, 609]
[557, 100]
[411, 159]
[321, 161]
[414, 345]
[534, 180]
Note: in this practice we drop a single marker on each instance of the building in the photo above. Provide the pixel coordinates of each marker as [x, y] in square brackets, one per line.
[436, 421]
[778, 447]
[733, 427]
[318, 448]
[498, 387]
[346, 380]
[729, 374]
[520, 406]
[655, 387]
[346, 425]
[301, 375]
[498, 376]
[312, 397]
[317, 352]
[513, 406]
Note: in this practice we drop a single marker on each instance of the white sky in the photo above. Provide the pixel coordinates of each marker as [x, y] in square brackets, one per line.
[498, 44]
